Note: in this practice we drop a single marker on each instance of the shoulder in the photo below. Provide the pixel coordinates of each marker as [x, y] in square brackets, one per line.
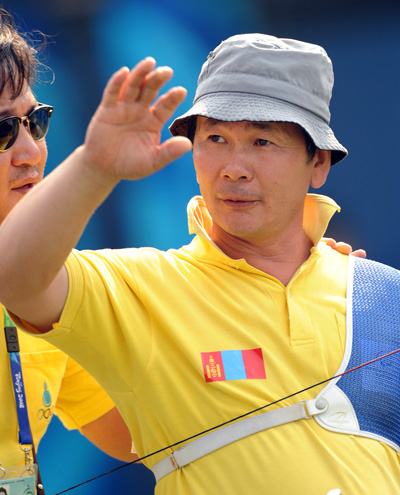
[374, 269]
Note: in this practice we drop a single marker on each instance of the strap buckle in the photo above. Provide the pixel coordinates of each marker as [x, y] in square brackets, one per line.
[313, 407]
[28, 459]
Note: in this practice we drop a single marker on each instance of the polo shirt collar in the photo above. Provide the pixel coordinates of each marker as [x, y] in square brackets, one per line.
[318, 211]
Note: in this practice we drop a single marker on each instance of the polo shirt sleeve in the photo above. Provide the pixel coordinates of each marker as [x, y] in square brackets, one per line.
[81, 400]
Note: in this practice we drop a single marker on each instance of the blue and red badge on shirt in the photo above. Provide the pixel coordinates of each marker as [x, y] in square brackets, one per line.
[233, 365]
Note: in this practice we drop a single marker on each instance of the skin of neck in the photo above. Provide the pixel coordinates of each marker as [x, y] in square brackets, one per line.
[277, 255]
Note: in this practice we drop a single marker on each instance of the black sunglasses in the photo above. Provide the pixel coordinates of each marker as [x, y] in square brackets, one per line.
[37, 123]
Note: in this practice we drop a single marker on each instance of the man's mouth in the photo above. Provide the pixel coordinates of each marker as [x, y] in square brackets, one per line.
[23, 187]
[239, 203]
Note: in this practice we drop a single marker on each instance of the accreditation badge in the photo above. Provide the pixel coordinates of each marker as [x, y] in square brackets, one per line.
[17, 480]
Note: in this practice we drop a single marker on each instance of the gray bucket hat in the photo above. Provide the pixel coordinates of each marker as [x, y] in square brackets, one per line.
[261, 78]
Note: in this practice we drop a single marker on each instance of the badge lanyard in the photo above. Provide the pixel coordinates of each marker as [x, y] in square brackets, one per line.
[24, 433]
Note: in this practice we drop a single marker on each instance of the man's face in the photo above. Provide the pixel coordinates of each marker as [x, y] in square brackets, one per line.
[253, 177]
[22, 166]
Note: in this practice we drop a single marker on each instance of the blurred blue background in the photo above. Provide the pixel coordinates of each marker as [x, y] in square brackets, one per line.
[90, 39]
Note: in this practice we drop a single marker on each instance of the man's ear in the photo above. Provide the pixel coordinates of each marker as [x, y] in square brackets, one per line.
[322, 164]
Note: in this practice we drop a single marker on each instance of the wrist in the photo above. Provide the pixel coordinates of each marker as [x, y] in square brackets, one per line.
[91, 173]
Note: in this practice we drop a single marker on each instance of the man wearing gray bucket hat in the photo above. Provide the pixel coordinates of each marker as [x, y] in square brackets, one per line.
[262, 78]
[234, 359]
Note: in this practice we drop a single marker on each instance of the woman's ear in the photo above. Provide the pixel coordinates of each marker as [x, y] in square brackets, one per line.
[322, 165]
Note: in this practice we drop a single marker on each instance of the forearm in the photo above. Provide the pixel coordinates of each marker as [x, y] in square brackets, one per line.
[40, 232]
[110, 434]
[122, 142]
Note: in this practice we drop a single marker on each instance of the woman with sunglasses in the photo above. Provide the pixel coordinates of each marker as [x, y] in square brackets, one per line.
[49, 381]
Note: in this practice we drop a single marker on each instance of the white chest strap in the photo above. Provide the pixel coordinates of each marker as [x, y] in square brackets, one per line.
[235, 431]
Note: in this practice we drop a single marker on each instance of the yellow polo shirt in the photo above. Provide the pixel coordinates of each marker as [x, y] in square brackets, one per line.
[54, 384]
[163, 332]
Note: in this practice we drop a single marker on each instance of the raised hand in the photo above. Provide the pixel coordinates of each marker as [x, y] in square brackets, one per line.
[123, 138]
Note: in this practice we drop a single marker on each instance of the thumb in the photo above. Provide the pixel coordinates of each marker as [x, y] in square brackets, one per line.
[172, 149]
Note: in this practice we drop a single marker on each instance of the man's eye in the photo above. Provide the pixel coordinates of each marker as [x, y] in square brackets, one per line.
[262, 142]
[216, 138]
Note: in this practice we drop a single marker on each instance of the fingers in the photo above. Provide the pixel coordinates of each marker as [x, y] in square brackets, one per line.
[166, 105]
[329, 241]
[172, 149]
[153, 83]
[344, 248]
[141, 85]
[112, 90]
[144, 82]
[359, 253]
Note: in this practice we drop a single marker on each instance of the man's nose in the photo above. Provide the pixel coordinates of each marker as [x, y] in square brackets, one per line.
[237, 166]
[25, 150]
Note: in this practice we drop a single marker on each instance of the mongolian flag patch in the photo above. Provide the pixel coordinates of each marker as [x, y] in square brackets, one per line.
[233, 365]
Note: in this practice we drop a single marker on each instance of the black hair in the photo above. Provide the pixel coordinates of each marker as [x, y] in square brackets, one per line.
[310, 145]
[18, 56]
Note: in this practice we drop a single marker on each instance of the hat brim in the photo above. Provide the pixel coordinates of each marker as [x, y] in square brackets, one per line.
[236, 107]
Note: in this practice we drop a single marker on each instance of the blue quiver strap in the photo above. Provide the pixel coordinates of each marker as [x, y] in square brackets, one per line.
[374, 390]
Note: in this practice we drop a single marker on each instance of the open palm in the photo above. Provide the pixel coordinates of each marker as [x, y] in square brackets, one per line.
[123, 138]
